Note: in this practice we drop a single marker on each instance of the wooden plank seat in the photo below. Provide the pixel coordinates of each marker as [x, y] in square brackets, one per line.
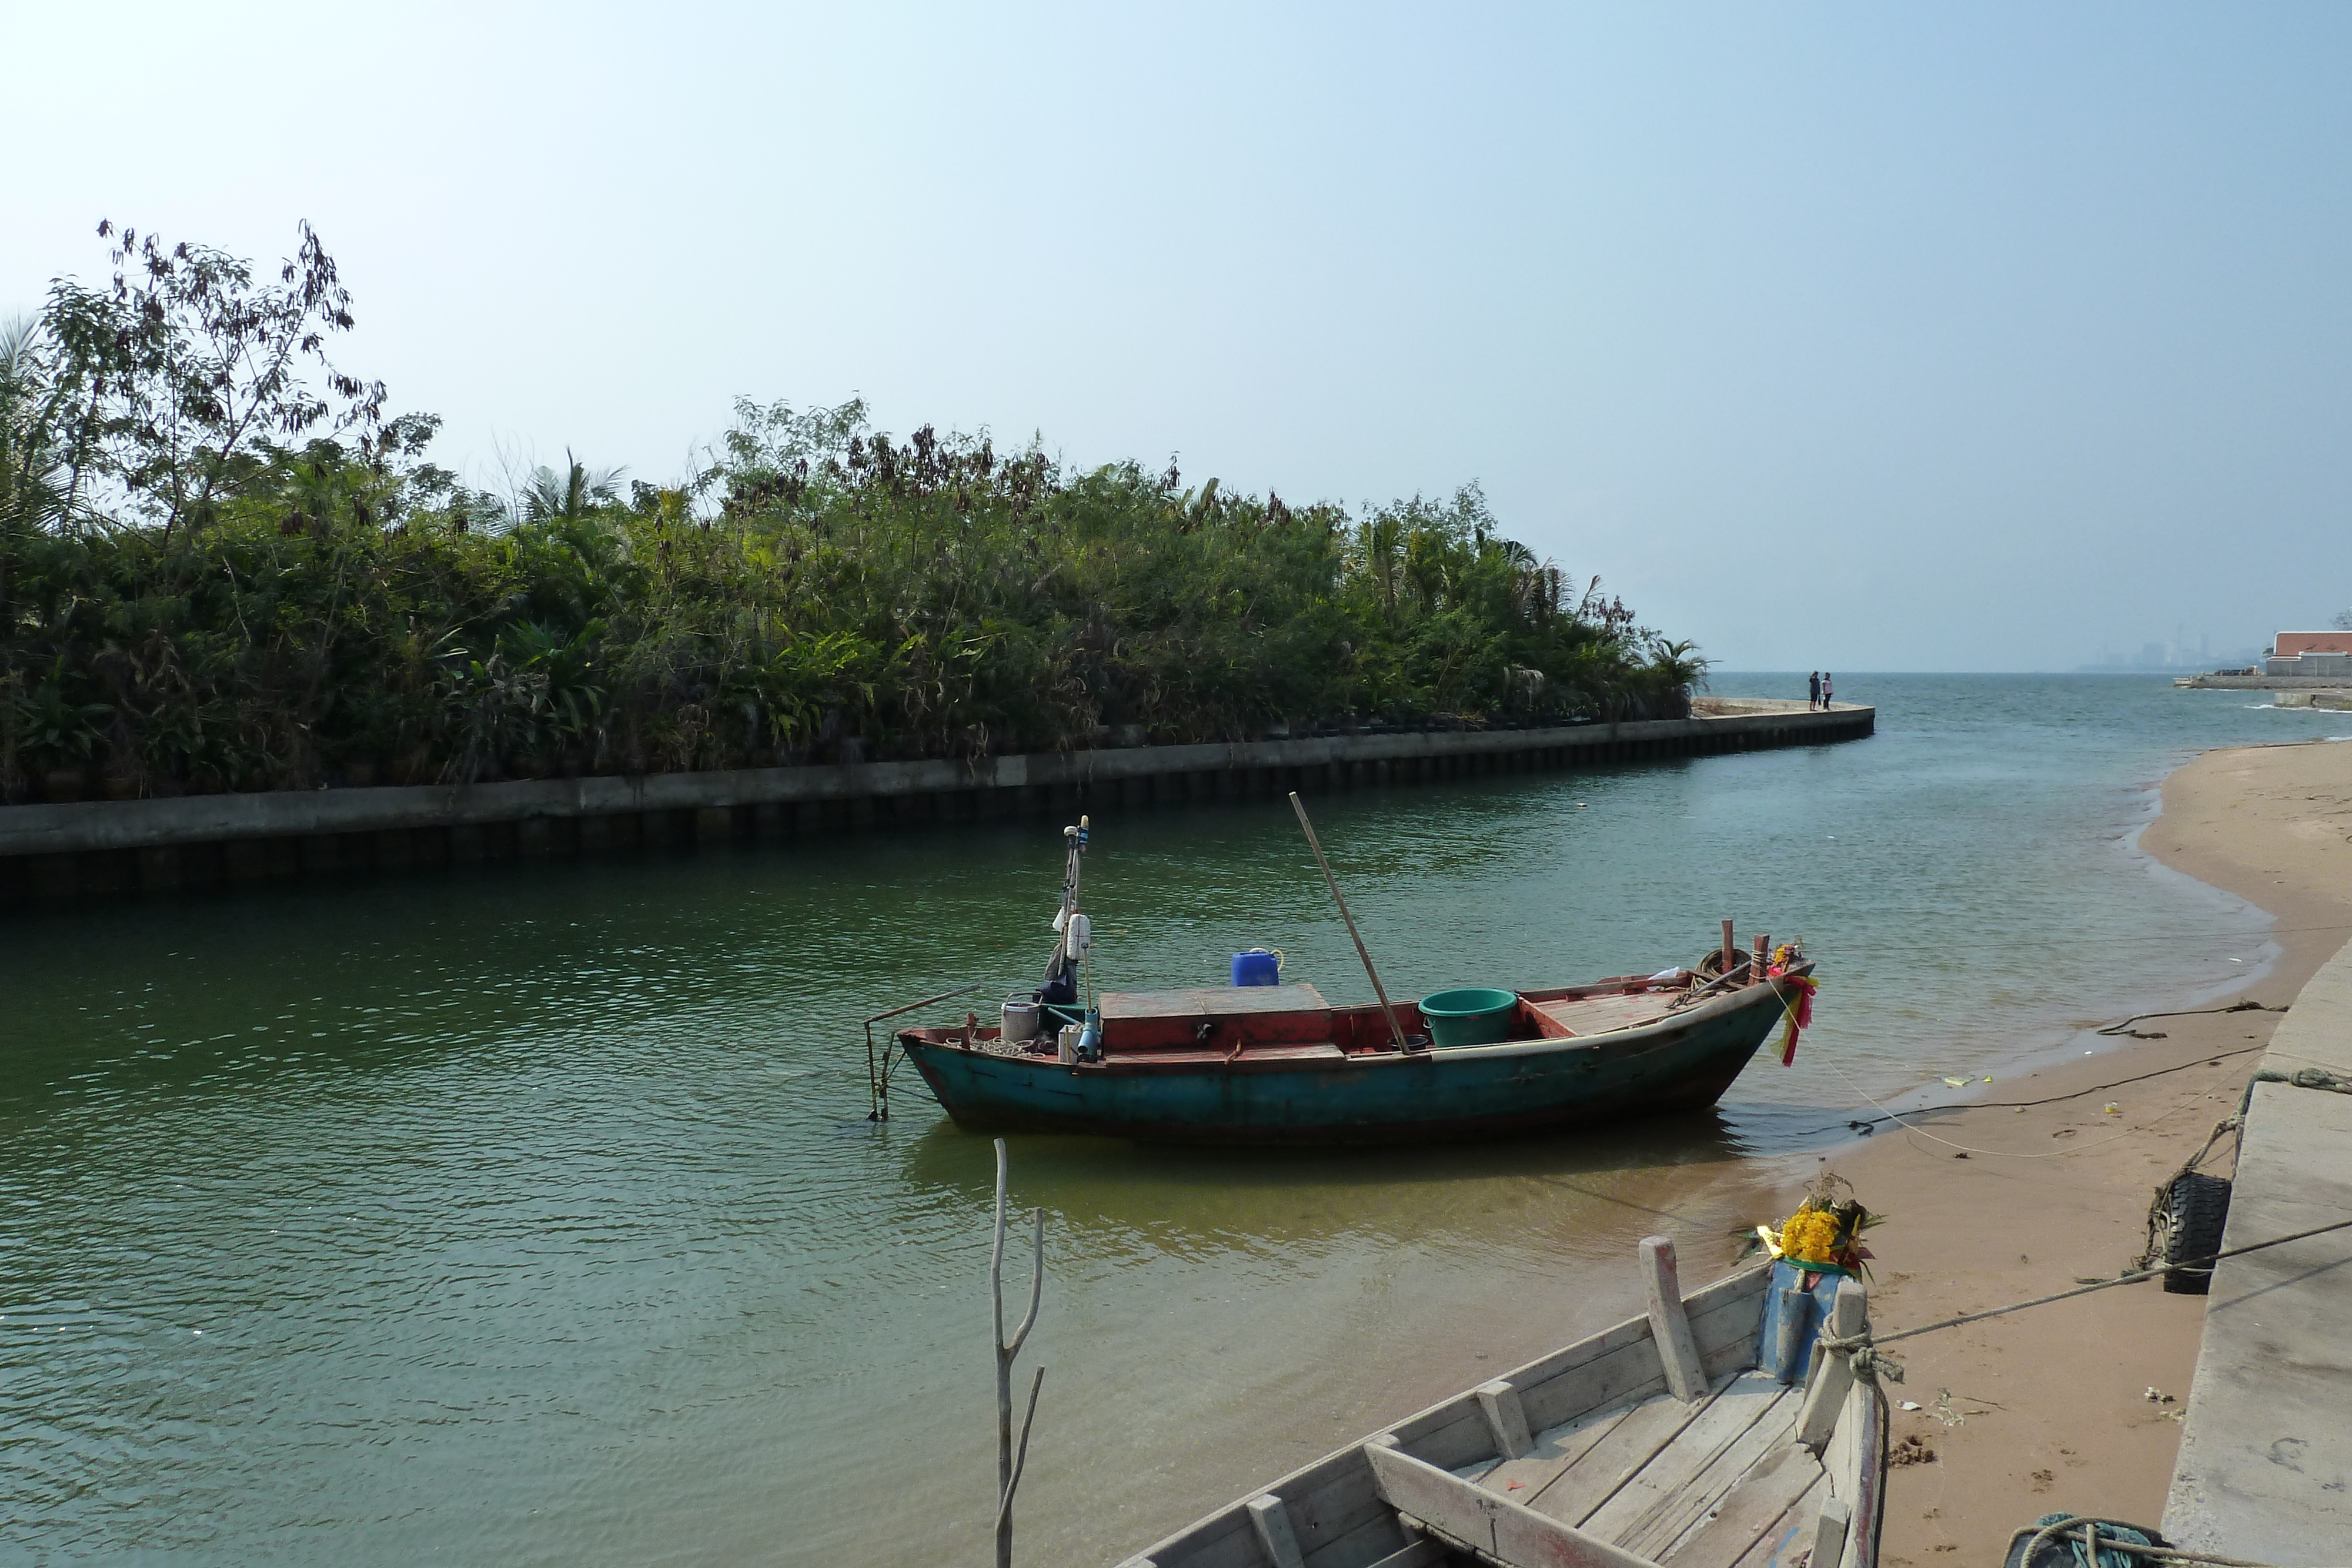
[1604, 1014]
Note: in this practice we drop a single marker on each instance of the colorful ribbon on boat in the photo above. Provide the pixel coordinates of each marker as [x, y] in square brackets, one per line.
[1799, 1011]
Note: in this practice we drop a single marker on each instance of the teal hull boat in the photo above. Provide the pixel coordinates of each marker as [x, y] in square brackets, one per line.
[1272, 1065]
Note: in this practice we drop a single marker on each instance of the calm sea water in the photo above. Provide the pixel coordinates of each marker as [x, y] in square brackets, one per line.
[530, 1215]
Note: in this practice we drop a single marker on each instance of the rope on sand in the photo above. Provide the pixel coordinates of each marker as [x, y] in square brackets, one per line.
[2131, 1279]
[2203, 1057]
[2015, 1153]
[2245, 1007]
[2191, 1012]
[2207, 1058]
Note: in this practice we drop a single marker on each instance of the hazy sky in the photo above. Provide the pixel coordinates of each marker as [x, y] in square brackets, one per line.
[1873, 337]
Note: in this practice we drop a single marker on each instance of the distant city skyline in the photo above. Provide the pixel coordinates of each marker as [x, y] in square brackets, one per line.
[1882, 338]
[2181, 651]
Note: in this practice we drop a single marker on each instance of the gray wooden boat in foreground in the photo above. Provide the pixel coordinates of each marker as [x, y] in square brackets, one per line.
[1668, 1442]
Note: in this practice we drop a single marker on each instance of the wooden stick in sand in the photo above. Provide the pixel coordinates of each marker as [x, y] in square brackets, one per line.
[1387, 1012]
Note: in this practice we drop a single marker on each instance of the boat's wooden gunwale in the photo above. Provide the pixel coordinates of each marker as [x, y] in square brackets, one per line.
[1284, 1058]
[1613, 985]
[1855, 1464]
[1617, 1040]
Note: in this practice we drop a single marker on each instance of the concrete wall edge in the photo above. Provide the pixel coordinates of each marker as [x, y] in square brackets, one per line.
[83, 827]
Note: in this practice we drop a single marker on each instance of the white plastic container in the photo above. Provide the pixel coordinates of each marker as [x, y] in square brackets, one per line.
[1067, 1055]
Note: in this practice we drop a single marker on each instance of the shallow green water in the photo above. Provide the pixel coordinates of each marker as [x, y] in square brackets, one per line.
[530, 1215]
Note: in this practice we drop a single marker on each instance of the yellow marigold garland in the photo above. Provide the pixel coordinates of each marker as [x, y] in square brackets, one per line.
[1820, 1235]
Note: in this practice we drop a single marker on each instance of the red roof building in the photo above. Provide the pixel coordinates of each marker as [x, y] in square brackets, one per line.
[2295, 644]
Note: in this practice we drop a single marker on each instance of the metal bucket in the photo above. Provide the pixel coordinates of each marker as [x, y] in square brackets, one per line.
[1019, 1018]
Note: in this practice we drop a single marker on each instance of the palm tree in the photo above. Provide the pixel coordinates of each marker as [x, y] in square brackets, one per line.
[32, 468]
[547, 497]
[1677, 665]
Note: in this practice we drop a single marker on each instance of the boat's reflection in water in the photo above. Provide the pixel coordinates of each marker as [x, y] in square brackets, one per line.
[1110, 1196]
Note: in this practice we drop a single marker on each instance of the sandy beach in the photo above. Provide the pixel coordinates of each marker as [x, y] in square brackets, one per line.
[2000, 1202]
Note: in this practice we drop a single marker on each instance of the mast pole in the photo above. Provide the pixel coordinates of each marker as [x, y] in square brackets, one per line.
[1395, 1030]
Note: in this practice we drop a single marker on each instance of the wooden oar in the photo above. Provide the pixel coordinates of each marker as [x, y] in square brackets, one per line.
[1387, 1012]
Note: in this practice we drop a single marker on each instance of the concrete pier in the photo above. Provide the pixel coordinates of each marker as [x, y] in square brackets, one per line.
[2265, 1466]
[2261, 683]
[52, 851]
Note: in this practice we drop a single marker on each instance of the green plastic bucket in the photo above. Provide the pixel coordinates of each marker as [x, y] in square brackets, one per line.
[1475, 1015]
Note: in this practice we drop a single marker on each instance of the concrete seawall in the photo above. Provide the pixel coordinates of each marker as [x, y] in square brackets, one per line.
[54, 851]
[2266, 1440]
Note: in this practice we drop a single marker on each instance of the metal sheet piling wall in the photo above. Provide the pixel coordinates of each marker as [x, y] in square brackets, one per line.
[52, 851]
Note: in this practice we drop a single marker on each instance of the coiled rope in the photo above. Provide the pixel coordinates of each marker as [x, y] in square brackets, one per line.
[2095, 1540]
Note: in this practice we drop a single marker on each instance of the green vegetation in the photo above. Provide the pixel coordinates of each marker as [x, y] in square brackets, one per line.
[222, 565]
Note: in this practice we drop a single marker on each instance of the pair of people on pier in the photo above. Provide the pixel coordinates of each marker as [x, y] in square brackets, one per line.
[1818, 689]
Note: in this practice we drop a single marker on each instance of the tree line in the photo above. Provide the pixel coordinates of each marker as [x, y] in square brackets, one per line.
[225, 566]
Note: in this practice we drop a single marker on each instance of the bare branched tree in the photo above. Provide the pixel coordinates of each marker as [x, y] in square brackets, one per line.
[191, 364]
[1010, 1461]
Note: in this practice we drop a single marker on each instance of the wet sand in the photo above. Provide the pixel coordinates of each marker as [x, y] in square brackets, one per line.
[2048, 1408]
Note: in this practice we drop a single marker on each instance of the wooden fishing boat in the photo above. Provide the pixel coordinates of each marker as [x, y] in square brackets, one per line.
[1277, 1064]
[1712, 1433]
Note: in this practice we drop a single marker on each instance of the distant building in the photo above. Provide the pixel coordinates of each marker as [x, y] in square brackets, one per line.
[2310, 653]
[2293, 644]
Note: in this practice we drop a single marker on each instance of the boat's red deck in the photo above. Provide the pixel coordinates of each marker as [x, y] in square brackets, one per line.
[1214, 1019]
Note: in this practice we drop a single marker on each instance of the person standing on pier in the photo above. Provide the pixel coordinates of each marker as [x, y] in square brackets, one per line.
[1814, 690]
[1828, 695]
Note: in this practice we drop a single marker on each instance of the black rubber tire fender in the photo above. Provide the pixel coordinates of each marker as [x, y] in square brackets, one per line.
[2195, 1206]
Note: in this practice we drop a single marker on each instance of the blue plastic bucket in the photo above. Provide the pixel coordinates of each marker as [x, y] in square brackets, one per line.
[1475, 1015]
[1257, 967]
